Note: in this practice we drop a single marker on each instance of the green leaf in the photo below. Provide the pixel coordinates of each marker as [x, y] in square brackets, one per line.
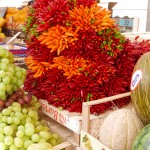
[93, 20]
[73, 99]
[86, 73]
[88, 97]
[80, 69]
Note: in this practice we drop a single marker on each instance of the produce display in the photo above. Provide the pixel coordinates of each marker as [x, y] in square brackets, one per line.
[11, 77]
[142, 140]
[77, 54]
[2, 23]
[21, 127]
[119, 129]
[17, 16]
[140, 95]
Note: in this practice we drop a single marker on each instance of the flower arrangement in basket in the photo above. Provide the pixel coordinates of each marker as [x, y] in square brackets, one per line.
[77, 54]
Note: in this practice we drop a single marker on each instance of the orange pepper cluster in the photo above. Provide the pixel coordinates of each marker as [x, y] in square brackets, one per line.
[69, 66]
[94, 16]
[58, 38]
[37, 67]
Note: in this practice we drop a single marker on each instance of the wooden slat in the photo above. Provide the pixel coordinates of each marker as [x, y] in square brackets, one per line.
[85, 117]
[62, 145]
[107, 99]
[86, 108]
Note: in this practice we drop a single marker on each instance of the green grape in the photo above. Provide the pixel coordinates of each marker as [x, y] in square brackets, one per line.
[10, 108]
[6, 80]
[17, 109]
[9, 74]
[59, 140]
[34, 99]
[23, 78]
[35, 138]
[28, 119]
[11, 57]
[16, 121]
[8, 140]
[2, 125]
[19, 115]
[2, 52]
[9, 120]
[3, 66]
[18, 142]
[32, 113]
[36, 123]
[14, 127]
[19, 82]
[46, 128]
[3, 97]
[25, 138]
[2, 73]
[37, 105]
[53, 142]
[13, 147]
[14, 80]
[42, 141]
[39, 128]
[20, 134]
[8, 130]
[27, 143]
[2, 94]
[24, 111]
[1, 115]
[11, 70]
[24, 71]
[12, 114]
[18, 74]
[6, 53]
[9, 87]
[16, 104]
[1, 130]
[29, 125]
[2, 137]
[29, 131]
[55, 136]
[15, 88]
[44, 135]
[10, 92]
[2, 87]
[22, 148]
[17, 68]
[4, 119]
[5, 60]
[6, 112]
[2, 146]
[21, 128]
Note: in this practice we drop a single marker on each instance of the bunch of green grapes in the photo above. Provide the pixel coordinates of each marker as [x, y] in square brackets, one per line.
[11, 77]
[20, 127]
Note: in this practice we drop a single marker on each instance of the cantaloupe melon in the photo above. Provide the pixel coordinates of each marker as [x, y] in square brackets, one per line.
[119, 129]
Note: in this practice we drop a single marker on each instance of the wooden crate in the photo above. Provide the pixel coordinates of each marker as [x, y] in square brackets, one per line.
[95, 143]
[64, 120]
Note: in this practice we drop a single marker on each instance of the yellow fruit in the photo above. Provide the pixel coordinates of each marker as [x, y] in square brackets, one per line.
[2, 36]
[2, 22]
[0, 29]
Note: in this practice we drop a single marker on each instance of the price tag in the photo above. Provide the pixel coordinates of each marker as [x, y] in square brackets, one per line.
[135, 80]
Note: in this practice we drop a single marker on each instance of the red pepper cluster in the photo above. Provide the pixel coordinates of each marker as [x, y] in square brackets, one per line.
[110, 55]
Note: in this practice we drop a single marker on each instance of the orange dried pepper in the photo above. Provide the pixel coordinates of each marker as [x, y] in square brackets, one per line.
[69, 66]
[38, 68]
[94, 17]
[58, 38]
